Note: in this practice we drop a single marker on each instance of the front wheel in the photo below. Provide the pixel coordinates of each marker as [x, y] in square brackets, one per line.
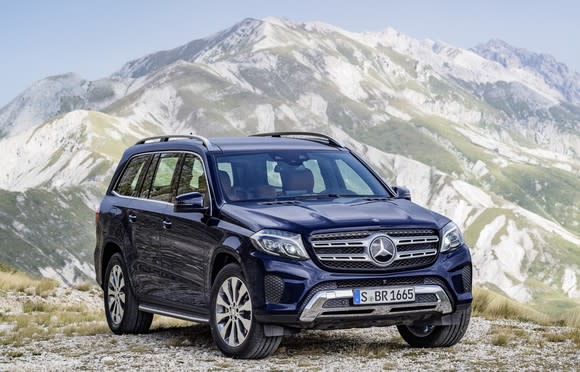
[233, 326]
[426, 335]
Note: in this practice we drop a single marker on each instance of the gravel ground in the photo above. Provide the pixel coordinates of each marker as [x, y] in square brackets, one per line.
[488, 345]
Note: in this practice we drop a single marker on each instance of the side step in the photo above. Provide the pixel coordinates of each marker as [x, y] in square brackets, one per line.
[172, 313]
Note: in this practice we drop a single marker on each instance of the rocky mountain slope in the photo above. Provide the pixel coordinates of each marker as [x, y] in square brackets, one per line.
[492, 143]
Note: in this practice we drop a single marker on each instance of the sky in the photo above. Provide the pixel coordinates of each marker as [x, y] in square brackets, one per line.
[95, 38]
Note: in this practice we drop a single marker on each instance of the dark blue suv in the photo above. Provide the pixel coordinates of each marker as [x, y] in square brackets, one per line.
[265, 235]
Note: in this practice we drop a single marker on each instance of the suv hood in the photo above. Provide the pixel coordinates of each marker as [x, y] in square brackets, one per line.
[306, 216]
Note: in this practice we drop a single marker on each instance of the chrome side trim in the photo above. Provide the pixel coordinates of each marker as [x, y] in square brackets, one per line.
[314, 308]
[173, 314]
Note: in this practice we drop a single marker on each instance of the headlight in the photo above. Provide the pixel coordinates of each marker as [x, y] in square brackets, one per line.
[452, 237]
[280, 243]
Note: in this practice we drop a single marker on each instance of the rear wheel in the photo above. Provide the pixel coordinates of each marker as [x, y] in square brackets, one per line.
[426, 335]
[233, 326]
[121, 308]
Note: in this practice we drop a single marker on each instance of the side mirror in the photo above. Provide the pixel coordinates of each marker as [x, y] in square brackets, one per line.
[189, 202]
[402, 192]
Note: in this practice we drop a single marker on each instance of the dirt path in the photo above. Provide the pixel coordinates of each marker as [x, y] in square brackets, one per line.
[488, 345]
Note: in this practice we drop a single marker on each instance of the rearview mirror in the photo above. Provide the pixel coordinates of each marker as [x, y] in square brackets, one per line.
[189, 202]
[402, 192]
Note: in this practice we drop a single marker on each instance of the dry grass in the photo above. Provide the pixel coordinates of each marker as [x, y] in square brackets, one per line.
[492, 305]
[495, 306]
[42, 321]
[500, 340]
[555, 337]
[572, 319]
[574, 335]
[84, 287]
[20, 282]
[163, 322]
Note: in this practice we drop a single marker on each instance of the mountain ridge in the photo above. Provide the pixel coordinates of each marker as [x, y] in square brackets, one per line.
[500, 157]
[555, 73]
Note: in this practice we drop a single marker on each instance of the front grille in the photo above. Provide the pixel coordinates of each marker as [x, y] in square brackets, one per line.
[337, 302]
[350, 250]
[365, 283]
[425, 297]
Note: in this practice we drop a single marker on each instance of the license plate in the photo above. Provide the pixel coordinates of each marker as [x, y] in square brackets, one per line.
[389, 295]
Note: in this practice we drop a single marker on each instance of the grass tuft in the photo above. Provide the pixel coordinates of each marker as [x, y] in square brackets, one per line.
[555, 337]
[84, 287]
[20, 282]
[500, 340]
[495, 306]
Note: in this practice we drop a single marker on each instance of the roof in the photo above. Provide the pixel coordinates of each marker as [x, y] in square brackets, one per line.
[231, 144]
[267, 143]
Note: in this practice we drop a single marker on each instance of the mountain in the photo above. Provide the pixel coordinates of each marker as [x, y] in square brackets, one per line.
[556, 74]
[494, 146]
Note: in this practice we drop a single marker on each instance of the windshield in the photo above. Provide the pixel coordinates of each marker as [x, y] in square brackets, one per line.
[295, 175]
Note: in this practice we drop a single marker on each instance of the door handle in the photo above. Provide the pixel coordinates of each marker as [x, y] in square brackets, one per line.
[132, 217]
[166, 224]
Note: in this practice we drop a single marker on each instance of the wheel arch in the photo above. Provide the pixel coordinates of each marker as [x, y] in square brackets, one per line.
[109, 250]
[222, 256]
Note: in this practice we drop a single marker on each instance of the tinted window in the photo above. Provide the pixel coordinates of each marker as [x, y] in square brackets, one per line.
[295, 174]
[162, 188]
[148, 179]
[192, 176]
[352, 180]
[129, 181]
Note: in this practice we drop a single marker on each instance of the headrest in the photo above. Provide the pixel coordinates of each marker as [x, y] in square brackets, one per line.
[298, 180]
[202, 184]
[225, 179]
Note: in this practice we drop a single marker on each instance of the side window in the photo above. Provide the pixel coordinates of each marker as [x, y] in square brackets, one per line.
[192, 177]
[129, 181]
[162, 189]
[352, 180]
[274, 178]
[227, 167]
[149, 178]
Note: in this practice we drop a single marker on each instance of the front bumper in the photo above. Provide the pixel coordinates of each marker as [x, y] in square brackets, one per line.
[310, 297]
[315, 308]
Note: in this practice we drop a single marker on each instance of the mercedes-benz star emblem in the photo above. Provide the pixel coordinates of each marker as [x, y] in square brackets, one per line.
[383, 250]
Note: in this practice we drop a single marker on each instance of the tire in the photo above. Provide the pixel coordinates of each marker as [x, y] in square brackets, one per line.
[234, 328]
[436, 336]
[121, 307]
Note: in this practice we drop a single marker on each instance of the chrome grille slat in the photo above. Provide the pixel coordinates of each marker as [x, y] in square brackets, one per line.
[337, 250]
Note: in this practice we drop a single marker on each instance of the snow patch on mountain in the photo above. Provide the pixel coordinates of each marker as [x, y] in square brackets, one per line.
[265, 116]
[570, 283]
[347, 78]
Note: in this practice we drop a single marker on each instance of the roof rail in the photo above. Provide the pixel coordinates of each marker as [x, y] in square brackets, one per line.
[314, 136]
[203, 140]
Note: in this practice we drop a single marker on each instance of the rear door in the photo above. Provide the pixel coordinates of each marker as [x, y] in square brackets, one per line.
[124, 197]
[148, 214]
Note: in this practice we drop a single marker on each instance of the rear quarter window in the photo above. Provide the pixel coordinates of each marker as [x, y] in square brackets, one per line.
[129, 181]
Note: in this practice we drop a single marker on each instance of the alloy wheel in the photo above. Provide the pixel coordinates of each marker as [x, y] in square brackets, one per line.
[116, 295]
[233, 311]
